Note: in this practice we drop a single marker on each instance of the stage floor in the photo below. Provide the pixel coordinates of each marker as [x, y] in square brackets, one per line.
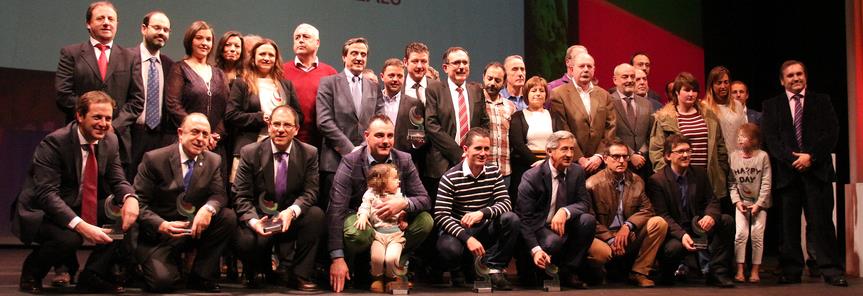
[10, 267]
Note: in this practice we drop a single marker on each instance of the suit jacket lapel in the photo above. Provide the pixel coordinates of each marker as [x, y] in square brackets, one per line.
[176, 166]
[295, 167]
[621, 112]
[343, 83]
[267, 167]
[545, 200]
[445, 103]
[197, 173]
[578, 104]
[88, 53]
[76, 153]
[642, 114]
[675, 191]
[367, 108]
[594, 106]
[114, 61]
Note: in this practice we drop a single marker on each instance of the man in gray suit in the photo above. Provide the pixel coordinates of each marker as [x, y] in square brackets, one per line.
[344, 104]
[634, 118]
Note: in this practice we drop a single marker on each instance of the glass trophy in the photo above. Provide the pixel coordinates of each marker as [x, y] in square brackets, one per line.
[699, 237]
[552, 285]
[115, 213]
[400, 286]
[482, 284]
[186, 210]
[416, 136]
[270, 208]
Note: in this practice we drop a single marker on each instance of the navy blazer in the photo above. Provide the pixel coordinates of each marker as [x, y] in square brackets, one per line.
[349, 185]
[665, 196]
[534, 198]
[52, 187]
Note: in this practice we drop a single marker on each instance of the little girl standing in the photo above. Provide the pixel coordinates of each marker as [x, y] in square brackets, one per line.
[750, 194]
[383, 183]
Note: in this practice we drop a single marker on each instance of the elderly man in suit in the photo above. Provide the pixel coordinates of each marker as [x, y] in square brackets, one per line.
[554, 207]
[153, 128]
[349, 185]
[345, 103]
[61, 204]
[453, 107]
[683, 196]
[284, 171]
[182, 199]
[626, 224]
[801, 130]
[634, 119]
[587, 111]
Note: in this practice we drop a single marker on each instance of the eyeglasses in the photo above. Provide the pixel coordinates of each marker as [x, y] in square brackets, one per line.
[619, 157]
[682, 151]
[279, 125]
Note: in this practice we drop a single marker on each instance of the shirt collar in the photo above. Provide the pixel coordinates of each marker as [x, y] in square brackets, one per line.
[145, 54]
[299, 63]
[423, 82]
[465, 167]
[83, 140]
[622, 96]
[504, 92]
[554, 171]
[183, 156]
[452, 85]
[392, 99]
[589, 87]
[93, 43]
[496, 101]
[791, 94]
[372, 159]
[351, 75]
[678, 177]
[276, 150]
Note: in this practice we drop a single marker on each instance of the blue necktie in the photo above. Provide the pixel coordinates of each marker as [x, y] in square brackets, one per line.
[154, 113]
[187, 178]
[281, 175]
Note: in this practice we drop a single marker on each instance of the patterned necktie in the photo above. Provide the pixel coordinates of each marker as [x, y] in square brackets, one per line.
[462, 115]
[153, 112]
[798, 119]
[356, 91]
[281, 176]
[630, 110]
[89, 186]
[187, 178]
[103, 59]
[420, 93]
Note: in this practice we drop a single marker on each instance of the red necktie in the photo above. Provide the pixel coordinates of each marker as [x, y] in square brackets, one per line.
[103, 59]
[88, 187]
[462, 115]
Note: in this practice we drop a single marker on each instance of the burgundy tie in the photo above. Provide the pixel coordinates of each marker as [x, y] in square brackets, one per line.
[103, 59]
[798, 120]
[462, 115]
[88, 187]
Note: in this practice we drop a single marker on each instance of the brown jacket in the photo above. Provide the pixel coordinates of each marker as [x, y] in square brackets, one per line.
[593, 132]
[637, 208]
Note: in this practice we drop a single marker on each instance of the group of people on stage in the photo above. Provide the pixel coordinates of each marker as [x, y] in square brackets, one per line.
[167, 166]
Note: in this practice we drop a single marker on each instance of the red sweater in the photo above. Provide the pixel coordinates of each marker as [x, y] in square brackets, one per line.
[306, 86]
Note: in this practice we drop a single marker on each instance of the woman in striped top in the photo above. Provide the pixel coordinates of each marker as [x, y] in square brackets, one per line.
[684, 115]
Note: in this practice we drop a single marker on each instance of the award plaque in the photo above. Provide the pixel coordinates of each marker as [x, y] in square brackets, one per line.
[552, 285]
[400, 285]
[416, 136]
[699, 237]
[187, 210]
[270, 208]
[115, 213]
[482, 284]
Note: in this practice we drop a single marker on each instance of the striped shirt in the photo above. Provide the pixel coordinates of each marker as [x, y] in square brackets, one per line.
[499, 114]
[693, 127]
[460, 193]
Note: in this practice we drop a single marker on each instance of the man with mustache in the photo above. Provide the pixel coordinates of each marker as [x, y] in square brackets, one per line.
[515, 78]
[554, 207]
[634, 119]
[349, 185]
[499, 112]
[344, 104]
[801, 130]
[153, 128]
[74, 169]
[626, 224]
[173, 183]
[681, 193]
[586, 110]
[474, 213]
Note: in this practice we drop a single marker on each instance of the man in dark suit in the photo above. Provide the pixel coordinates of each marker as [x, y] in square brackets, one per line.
[182, 198]
[349, 185]
[801, 131]
[634, 119]
[682, 194]
[263, 178]
[740, 92]
[453, 107]
[554, 208]
[406, 112]
[61, 204]
[153, 128]
[585, 109]
[99, 64]
[344, 104]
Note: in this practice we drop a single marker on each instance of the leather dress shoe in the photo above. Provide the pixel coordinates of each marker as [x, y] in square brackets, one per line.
[305, 285]
[31, 286]
[788, 279]
[838, 281]
[89, 282]
[721, 281]
[572, 281]
[640, 280]
[61, 279]
[499, 282]
[204, 285]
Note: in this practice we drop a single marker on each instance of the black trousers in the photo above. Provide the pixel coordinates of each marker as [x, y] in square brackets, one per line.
[297, 247]
[497, 236]
[570, 249]
[57, 244]
[814, 199]
[720, 244]
[145, 139]
[159, 254]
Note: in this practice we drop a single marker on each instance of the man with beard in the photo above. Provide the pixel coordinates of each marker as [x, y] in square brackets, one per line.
[344, 104]
[499, 111]
[554, 208]
[642, 88]
[515, 78]
[346, 242]
[634, 118]
[587, 111]
[153, 128]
